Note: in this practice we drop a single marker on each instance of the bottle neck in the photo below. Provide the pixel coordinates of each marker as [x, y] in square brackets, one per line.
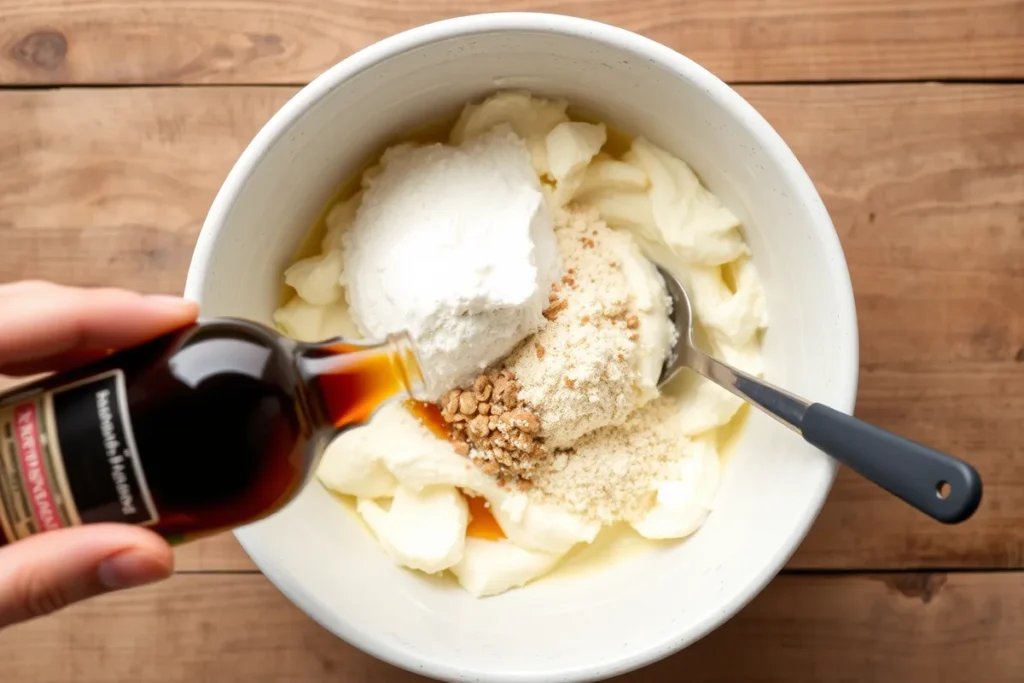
[350, 380]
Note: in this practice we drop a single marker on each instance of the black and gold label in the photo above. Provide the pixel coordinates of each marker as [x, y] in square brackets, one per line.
[68, 457]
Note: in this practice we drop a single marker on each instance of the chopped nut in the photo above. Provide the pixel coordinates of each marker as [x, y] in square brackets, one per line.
[489, 467]
[468, 403]
[569, 382]
[504, 422]
[450, 405]
[479, 427]
[540, 351]
[500, 435]
[523, 442]
[552, 311]
[482, 387]
[632, 322]
[500, 387]
[524, 421]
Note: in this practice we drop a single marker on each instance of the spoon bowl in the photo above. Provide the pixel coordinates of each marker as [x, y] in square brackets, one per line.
[939, 485]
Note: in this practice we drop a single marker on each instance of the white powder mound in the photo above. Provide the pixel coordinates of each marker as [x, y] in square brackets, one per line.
[455, 245]
[589, 367]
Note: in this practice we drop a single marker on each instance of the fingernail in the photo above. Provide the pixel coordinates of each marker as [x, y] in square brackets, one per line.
[173, 302]
[132, 568]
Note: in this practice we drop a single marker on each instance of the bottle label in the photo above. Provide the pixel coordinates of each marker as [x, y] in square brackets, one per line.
[68, 457]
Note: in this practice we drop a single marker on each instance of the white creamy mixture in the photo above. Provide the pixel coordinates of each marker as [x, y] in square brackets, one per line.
[519, 243]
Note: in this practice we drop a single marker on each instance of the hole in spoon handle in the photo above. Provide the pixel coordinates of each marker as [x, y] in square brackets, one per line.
[939, 485]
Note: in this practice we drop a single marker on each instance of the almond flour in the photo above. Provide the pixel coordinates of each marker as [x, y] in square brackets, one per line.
[578, 372]
[564, 418]
[609, 475]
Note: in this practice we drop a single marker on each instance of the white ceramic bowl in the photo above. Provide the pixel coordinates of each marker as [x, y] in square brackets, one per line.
[638, 610]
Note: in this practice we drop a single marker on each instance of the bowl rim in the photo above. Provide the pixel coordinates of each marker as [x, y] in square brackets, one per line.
[501, 22]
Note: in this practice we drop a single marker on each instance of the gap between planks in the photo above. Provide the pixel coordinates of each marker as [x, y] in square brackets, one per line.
[733, 84]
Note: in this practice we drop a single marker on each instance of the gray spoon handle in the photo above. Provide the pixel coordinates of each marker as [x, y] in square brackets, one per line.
[939, 485]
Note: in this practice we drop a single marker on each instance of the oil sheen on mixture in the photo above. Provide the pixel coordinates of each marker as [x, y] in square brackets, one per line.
[547, 449]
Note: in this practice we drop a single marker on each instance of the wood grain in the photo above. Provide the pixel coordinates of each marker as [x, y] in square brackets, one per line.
[925, 187]
[291, 41]
[216, 554]
[813, 629]
[923, 183]
[110, 187]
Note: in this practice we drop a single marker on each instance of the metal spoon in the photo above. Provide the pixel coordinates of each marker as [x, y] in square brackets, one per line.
[939, 485]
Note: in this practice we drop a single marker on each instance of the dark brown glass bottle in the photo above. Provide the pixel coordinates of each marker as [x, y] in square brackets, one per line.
[210, 427]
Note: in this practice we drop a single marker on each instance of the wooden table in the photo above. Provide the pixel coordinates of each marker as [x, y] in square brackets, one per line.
[119, 120]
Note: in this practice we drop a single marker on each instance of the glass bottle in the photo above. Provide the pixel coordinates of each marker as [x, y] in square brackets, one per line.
[207, 428]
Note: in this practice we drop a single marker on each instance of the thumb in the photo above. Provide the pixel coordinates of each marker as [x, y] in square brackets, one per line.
[44, 573]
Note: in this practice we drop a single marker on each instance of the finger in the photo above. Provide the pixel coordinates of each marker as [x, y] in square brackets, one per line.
[60, 363]
[41, 320]
[47, 572]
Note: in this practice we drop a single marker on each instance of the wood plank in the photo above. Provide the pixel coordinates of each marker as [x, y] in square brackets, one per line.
[922, 181]
[818, 629]
[215, 554]
[291, 41]
[111, 186]
[924, 186]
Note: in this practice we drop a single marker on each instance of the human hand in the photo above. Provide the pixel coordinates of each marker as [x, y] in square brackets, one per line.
[47, 327]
